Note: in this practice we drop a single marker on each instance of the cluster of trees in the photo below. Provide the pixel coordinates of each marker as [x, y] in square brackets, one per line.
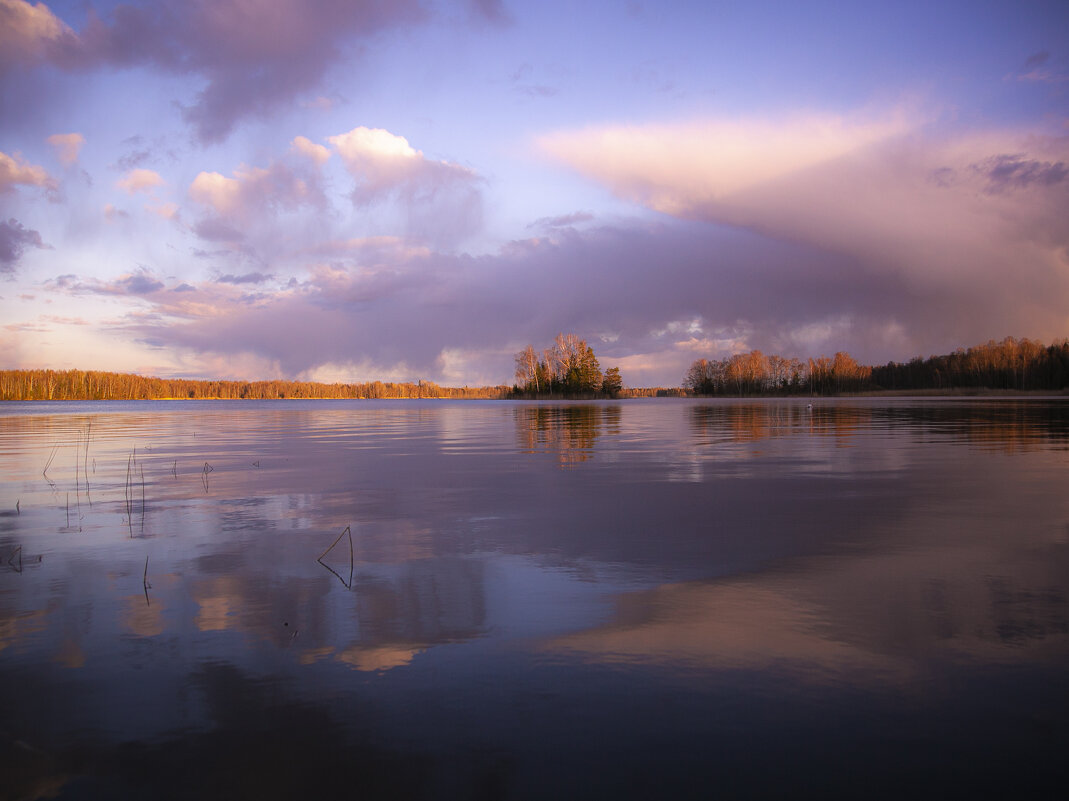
[96, 385]
[1017, 364]
[1009, 364]
[566, 368]
[754, 373]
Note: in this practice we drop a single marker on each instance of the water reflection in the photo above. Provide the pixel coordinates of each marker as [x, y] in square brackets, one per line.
[990, 424]
[568, 431]
[880, 577]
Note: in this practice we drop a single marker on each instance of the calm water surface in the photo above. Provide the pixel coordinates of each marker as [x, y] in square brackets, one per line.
[648, 599]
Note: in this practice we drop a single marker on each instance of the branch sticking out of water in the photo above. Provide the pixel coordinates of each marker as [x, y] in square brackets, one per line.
[142, 467]
[11, 559]
[51, 456]
[144, 581]
[348, 531]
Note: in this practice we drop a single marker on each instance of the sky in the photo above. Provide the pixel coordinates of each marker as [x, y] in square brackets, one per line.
[352, 190]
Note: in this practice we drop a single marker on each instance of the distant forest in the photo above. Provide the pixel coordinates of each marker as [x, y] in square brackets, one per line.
[570, 369]
[1012, 364]
[95, 385]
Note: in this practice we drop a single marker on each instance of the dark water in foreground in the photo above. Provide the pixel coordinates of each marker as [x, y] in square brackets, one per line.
[662, 599]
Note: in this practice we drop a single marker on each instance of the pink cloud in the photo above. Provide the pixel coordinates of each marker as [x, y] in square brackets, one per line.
[253, 190]
[16, 171]
[67, 146]
[30, 33]
[140, 180]
[972, 216]
[309, 149]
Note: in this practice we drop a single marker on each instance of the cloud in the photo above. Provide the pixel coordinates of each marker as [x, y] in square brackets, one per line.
[953, 215]
[16, 171]
[140, 180]
[165, 211]
[215, 230]
[880, 238]
[67, 146]
[306, 147]
[139, 283]
[14, 239]
[562, 221]
[1038, 69]
[254, 56]
[491, 10]
[246, 278]
[675, 168]
[650, 298]
[30, 34]
[441, 200]
[1007, 171]
[111, 213]
[254, 190]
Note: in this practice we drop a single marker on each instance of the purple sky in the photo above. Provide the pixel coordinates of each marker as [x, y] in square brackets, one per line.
[399, 189]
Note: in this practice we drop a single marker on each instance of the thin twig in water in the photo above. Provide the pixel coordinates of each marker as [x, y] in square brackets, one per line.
[328, 550]
[68, 510]
[11, 559]
[128, 466]
[349, 584]
[17, 510]
[144, 581]
[51, 456]
[174, 469]
[142, 498]
[85, 463]
[204, 474]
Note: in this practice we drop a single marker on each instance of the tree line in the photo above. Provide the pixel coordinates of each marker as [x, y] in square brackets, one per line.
[98, 385]
[567, 368]
[1013, 364]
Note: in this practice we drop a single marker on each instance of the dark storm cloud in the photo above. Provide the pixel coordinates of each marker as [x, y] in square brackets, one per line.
[651, 299]
[1015, 171]
[255, 56]
[245, 278]
[139, 283]
[562, 221]
[215, 230]
[14, 239]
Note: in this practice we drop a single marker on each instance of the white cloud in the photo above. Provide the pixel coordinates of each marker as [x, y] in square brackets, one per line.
[441, 200]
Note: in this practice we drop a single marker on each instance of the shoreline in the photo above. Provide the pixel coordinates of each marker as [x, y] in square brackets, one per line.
[981, 392]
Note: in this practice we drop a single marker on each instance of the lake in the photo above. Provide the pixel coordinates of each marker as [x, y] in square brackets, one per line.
[664, 598]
